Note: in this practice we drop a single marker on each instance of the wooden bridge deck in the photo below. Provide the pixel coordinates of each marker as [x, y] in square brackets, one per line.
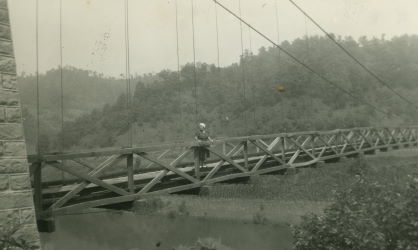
[115, 176]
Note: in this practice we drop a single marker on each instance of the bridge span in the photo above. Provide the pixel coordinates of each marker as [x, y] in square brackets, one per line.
[110, 177]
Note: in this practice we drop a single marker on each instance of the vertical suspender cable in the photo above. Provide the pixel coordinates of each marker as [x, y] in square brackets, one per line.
[178, 66]
[37, 75]
[62, 89]
[61, 81]
[250, 76]
[217, 35]
[308, 55]
[250, 41]
[194, 65]
[218, 59]
[128, 74]
[177, 41]
[243, 68]
[276, 5]
[276, 14]
[307, 37]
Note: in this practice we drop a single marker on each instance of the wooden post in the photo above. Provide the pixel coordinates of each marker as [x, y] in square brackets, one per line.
[63, 174]
[130, 168]
[245, 152]
[283, 146]
[37, 183]
[224, 148]
[196, 162]
[313, 144]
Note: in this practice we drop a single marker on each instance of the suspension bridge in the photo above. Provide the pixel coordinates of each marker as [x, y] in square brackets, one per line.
[109, 178]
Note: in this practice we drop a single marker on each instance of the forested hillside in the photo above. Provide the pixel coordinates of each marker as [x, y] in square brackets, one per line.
[238, 99]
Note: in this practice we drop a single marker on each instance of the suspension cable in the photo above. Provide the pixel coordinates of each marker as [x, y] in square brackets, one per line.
[61, 80]
[128, 74]
[381, 81]
[302, 63]
[37, 77]
[194, 65]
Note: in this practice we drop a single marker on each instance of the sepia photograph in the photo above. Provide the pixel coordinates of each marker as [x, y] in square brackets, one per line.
[208, 125]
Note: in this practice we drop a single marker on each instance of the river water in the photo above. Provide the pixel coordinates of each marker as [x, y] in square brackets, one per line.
[129, 231]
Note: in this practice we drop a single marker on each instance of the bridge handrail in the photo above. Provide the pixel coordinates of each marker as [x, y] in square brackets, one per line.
[153, 147]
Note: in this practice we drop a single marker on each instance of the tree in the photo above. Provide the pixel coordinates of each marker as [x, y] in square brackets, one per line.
[367, 216]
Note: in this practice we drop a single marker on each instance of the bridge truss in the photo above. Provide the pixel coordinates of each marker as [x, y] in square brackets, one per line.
[116, 176]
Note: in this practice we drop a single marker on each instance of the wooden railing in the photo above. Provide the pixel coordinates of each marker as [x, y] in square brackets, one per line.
[72, 181]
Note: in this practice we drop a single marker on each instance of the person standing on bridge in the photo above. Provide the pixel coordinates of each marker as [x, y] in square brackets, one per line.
[204, 140]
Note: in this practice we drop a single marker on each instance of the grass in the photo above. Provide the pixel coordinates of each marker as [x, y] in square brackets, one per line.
[320, 184]
[285, 198]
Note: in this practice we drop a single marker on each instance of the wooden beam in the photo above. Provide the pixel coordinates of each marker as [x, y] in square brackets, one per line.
[229, 160]
[92, 179]
[268, 152]
[37, 181]
[245, 152]
[162, 164]
[349, 141]
[328, 144]
[130, 172]
[159, 157]
[264, 158]
[153, 182]
[95, 173]
[236, 150]
[197, 162]
[164, 172]
[301, 146]
[82, 163]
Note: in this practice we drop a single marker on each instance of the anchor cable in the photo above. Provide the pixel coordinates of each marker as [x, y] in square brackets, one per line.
[302, 63]
[375, 76]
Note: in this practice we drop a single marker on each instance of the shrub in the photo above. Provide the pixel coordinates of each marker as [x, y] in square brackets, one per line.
[182, 209]
[358, 166]
[9, 241]
[367, 216]
[259, 217]
[205, 244]
[149, 206]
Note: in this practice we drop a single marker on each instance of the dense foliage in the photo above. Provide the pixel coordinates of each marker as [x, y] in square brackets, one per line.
[243, 99]
[369, 215]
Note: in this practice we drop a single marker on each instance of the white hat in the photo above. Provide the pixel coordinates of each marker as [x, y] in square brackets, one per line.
[202, 125]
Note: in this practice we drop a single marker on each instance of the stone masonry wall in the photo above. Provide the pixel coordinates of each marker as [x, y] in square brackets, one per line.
[16, 201]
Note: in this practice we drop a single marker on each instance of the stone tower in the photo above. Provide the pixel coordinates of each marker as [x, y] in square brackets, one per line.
[16, 201]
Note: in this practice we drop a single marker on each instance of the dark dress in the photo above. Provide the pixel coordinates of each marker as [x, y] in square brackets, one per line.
[203, 151]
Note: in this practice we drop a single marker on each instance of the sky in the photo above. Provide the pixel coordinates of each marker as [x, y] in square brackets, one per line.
[93, 31]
